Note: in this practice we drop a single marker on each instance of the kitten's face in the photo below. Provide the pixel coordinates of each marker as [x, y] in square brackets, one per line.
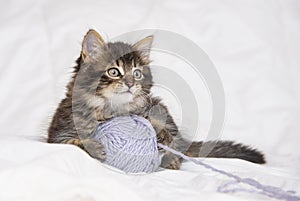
[124, 74]
[126, 79]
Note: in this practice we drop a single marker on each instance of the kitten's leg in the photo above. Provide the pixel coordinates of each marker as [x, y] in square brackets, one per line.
[169, 160]
[94, 148]
[166, 130]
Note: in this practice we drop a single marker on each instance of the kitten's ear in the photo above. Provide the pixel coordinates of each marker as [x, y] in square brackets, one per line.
[92, 45]
[144, 46]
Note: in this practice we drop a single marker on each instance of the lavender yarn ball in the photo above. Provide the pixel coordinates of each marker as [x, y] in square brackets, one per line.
[130, 144]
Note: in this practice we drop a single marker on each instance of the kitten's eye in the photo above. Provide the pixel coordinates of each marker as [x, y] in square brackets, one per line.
[113, 72]
[137, 74]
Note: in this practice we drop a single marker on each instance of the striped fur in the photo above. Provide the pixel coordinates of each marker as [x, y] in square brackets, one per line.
[94, 96]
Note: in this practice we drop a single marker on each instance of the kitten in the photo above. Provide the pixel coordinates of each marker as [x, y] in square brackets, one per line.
[113, 79]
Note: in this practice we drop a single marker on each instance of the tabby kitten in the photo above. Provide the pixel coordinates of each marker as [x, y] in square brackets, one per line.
[113, 79]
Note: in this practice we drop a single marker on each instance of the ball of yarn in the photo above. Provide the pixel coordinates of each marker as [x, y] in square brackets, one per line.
[130, 144]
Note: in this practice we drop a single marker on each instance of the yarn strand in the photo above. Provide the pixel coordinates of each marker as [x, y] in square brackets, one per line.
[131, 145]
[271, 191]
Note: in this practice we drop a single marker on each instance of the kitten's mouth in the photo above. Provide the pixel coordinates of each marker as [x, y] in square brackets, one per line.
[125, 92]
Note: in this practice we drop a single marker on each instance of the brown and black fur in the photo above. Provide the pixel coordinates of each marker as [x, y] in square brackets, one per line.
[93, 96]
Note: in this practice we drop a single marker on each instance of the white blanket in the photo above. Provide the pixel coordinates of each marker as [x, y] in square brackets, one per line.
[254, 45]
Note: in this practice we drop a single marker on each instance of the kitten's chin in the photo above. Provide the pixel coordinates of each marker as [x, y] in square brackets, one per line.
[119, 99]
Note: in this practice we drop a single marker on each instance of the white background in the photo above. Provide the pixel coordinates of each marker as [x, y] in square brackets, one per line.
[254, 45]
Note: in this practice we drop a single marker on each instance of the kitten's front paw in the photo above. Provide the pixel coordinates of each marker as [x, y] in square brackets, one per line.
[170, 161]
[94, 148]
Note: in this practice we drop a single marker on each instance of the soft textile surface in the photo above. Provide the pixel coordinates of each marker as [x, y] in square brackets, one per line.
[254, 45]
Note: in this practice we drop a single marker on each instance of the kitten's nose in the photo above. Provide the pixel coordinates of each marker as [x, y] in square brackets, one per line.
[129, 83]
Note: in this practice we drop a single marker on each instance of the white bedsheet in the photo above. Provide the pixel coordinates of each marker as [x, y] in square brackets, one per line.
[39, 171]
[254, 45]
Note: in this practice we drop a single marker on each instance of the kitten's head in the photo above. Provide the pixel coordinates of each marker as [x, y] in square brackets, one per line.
[119, 71]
